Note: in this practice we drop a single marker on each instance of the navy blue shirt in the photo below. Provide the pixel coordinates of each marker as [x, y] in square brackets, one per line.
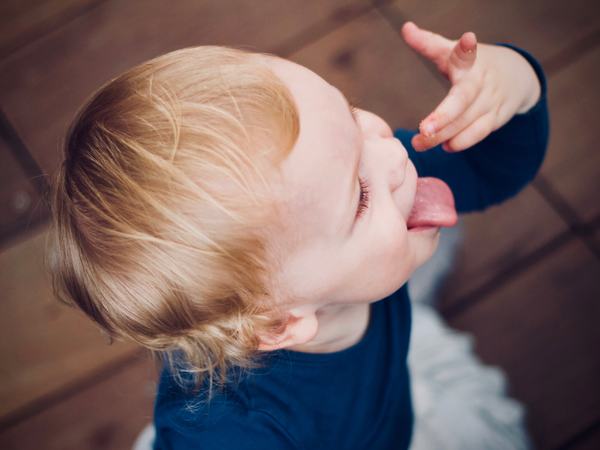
[357, 398]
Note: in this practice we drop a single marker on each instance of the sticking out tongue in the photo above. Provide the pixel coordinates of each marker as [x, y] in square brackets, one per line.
[434, 205]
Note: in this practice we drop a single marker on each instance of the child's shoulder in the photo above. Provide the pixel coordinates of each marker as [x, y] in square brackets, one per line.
[179, 400]
[189, 418]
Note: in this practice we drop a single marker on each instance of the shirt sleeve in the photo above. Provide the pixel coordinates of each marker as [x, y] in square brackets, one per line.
[233, 430]
[499, 166]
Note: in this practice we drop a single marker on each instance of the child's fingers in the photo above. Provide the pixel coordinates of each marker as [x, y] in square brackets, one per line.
[473, 134]
[477, 109]
[431, 45]
[464, 53]
[459, 98]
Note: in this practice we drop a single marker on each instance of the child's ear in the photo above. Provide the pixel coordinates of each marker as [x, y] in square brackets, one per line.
[301, 327]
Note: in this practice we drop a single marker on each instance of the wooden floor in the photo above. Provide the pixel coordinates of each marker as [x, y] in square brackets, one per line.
[527, 284]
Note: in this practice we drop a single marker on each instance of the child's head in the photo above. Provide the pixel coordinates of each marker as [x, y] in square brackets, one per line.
[207, 203]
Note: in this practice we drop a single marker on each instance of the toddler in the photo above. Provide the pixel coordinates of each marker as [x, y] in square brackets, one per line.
[232, 212]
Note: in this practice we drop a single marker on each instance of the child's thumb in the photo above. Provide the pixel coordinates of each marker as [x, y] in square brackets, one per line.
[431, 45]
[464, 52]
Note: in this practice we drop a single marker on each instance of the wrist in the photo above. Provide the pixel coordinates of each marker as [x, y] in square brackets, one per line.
[530, 77]
[534, 92]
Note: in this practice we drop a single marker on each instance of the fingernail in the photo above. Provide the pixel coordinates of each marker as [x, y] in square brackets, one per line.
[416, 143]
[428, 129]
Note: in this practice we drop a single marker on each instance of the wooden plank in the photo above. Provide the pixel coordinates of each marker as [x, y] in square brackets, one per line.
[573, 163]
[498, 238]
[368, 61]
[108, 415]
[45, 346]
[23, 21]
[542, 27]
[542, 328]
[42, 86]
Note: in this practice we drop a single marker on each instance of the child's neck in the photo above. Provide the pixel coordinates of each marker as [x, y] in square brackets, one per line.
[340, 327]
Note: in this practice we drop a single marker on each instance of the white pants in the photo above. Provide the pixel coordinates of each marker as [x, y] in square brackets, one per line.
[459, 403]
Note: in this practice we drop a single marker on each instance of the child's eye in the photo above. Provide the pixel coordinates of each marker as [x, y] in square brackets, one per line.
[363, 202]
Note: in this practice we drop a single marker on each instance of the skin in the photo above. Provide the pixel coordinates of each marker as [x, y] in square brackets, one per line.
[335, 263]
[343, 263]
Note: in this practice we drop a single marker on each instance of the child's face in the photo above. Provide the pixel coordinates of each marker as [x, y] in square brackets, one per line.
[331, 255]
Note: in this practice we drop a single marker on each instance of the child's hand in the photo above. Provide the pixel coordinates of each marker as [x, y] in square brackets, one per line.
[490, 84]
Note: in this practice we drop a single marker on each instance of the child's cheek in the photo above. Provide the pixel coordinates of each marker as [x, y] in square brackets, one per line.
[399, 261]
[394, 246]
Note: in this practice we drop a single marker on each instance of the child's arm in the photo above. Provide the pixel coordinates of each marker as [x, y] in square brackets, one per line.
[499, 88]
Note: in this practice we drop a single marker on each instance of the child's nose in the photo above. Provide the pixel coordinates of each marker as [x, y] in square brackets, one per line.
[376, 126]
[397, 159]
[393, 156]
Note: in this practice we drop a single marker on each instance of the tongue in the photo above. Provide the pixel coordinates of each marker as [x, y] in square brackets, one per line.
[434, 205]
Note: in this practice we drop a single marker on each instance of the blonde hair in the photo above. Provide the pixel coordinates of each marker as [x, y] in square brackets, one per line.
[163, 202]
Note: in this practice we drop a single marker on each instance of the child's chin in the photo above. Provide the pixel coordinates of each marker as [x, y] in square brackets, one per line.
[426, 239]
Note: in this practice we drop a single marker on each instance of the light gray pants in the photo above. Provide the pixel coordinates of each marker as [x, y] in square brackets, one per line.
[460, 404]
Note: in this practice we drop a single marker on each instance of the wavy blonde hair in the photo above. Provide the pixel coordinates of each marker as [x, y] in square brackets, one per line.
[162, 206]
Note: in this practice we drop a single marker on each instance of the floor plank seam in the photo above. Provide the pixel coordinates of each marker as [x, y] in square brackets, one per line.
[571, 53]
[580, 437]
[21, 229]
[45, 29]
[63, 393]
[561, 206]
[22, 155]
[38, 213]
[313, 33]
[478, 294]
[556, 201]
